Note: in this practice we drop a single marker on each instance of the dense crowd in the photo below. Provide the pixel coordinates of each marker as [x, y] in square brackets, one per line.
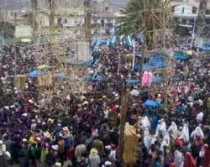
[80, 134]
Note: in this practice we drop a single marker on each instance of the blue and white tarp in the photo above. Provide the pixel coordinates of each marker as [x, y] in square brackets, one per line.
[35, 73]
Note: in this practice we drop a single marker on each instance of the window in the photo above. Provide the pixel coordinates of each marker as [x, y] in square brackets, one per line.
[194, 10]
[102, 22]
[173, 9]
[207, 11]
[182, 10]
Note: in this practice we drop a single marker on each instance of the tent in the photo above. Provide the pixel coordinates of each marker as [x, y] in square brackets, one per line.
[181, 56]
[151, 104]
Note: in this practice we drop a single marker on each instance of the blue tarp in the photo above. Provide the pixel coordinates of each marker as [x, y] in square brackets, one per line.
[151, 104]
[180, 56]
[203, 48]
[94, 79]
[156, 79]
[35, 73]
[132, 81]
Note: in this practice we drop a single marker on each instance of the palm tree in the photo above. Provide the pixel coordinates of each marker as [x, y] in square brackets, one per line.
[144, 16]
[201, 18]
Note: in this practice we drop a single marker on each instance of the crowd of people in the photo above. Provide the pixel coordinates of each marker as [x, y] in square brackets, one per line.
[79, 134]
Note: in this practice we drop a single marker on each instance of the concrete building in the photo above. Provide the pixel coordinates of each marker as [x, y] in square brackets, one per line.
[185, 12]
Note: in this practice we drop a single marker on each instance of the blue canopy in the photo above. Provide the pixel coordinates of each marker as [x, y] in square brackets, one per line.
[108, 42]
[180, 56]
[35, 73]
[114, 40]
[129, 41]
[151, 104]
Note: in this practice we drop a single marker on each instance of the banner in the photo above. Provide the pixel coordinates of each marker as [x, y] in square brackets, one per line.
[20, 81]
[23, 31]
[45, 80]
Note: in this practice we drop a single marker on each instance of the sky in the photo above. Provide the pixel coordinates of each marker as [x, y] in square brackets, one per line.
[20, 4]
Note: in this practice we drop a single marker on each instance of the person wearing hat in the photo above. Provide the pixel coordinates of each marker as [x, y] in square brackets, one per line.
[44, 153]
[61, 148]
[94, 158]
[68, 140]
[4, 155]
[99, 145]
[57, 164]
[79, 151]
[51, 156]
[113, 152]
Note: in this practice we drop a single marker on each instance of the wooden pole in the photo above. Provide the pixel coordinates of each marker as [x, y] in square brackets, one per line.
[142, 63]
[52, 17]
[87, 21]
[34, 9]
[124, 104]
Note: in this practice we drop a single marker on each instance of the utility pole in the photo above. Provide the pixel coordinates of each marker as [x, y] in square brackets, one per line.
[124, 108]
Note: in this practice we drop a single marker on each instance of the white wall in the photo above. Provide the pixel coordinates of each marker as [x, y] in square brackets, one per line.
[178, 10]
[71, 21]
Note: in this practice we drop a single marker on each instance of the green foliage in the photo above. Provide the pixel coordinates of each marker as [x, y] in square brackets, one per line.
[143, 16]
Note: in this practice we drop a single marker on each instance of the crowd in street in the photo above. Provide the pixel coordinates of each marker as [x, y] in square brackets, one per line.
[80, 135]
